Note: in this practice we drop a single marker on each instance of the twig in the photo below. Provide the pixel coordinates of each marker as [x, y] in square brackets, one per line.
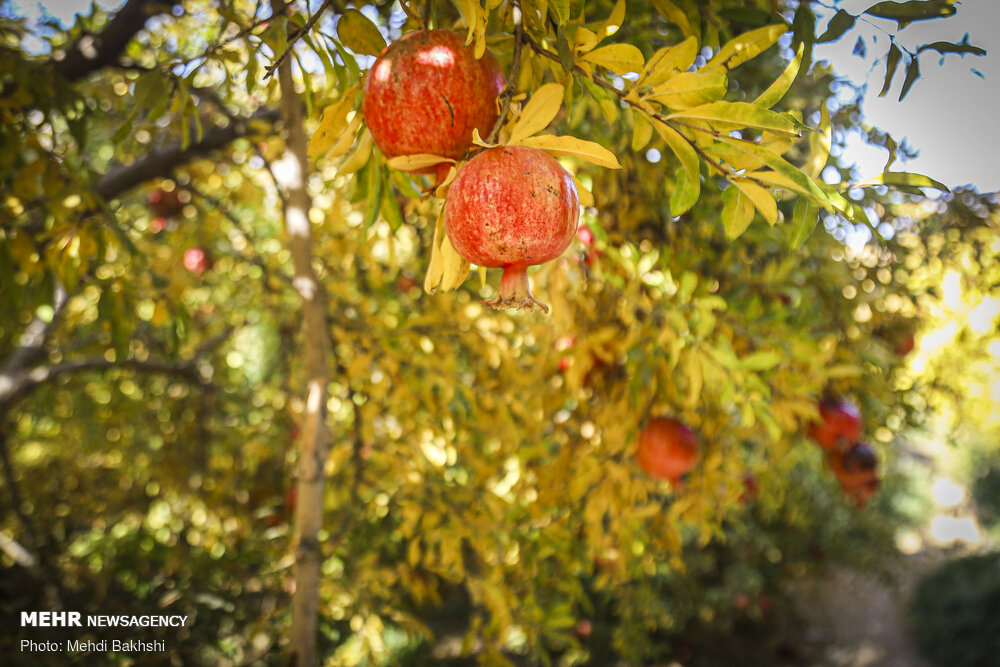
[515, 67]
[295, 37]
[537, 48]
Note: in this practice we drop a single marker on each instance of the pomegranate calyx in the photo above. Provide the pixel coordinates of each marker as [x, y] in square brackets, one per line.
[515, 292]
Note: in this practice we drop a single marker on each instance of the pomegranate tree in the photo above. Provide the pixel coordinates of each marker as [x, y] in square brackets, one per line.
[667, 449]
[426, 92]
[512, 207]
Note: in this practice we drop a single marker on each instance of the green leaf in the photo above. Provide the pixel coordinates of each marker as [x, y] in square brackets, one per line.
[804, 219]
[891, 62]
[840, 23]
[761, 361]
[375, 193]
[741, 114]
[777, 90]
[737, 212]
[359, 34]
[912, 74]
[564, 50]
[950, 47]
[913, 10]
[804, 32]
[688, 187]
[902, 179]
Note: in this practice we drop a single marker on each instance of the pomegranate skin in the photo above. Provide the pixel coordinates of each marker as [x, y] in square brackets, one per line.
[840, 425]
[426, 92]
[667, 449]
[512, 207]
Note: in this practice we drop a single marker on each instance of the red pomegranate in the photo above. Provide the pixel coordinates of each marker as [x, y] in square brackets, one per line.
[426, 92]
[667, 449]
[839, 425]
[197, 261]
[165, 203]
[855, 467]
[511, 207]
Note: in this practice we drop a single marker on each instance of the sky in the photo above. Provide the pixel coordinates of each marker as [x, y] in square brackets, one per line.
[948, 116]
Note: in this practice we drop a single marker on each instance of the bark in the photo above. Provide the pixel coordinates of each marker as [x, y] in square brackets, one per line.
[161, 163]
[291, 174]
[92, 52]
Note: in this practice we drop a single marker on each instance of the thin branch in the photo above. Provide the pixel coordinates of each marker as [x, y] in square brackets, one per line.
[540, 50]
[295, 37]
[161, 163]
[515, 68]
[93, 52]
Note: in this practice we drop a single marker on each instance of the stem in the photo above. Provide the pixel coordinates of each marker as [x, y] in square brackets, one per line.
[515, 292]
[515, 68]
[278, 8]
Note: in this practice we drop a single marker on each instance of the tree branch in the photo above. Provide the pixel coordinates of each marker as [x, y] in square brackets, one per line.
[515, 68]
[160, 163]
[295, 37]
[92, 52]
[35, 335]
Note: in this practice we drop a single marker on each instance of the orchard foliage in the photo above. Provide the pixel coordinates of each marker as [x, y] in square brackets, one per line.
[150, 403]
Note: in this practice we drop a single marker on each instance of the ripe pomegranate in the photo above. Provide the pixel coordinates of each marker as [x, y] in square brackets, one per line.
[856, 466]
[426, 92]
[667, 449]
[839, 425]
[196, 261]
[584, 628]
[166, 204]
[906, 346]
[751, 490]
[512, 207]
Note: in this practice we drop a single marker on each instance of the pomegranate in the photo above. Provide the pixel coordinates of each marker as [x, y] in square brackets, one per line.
[667, 449]
[856, 470]
[166, 204]
[839, 425]
[511, 207]
[197, 261]
[426, 92]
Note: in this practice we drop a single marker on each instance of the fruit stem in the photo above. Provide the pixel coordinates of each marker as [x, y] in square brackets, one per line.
[515, 292]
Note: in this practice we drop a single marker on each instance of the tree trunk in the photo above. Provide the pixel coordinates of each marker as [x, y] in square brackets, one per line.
[292, 176]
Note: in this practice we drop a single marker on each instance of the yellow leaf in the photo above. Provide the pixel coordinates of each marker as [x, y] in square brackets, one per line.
[454, 267]
[161, 314]
[333, 124]
[614, 21]
[359, 157]
[538, 112]
[417, 161]
[748, 45]
[668, 62]
[819, 145]
[359, 34]
[435, 267]
[571, 146]
[729, 115]
[584, 41]
[642, 132]
[777, 90]
[689, 89]
[675, 15]
[761, 198]
[619, 58]
[586, 196]
[346, 139]
[737, 212]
